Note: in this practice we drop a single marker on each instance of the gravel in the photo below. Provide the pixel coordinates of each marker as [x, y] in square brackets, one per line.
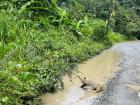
[117, 92]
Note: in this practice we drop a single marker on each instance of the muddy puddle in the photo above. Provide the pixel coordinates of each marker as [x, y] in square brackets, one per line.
[97, 69]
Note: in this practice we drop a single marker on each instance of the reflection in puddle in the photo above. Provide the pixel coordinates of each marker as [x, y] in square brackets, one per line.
[97, 69]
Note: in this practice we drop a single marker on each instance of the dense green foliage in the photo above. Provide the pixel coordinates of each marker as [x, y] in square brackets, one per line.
[42, 40]
[124, 15]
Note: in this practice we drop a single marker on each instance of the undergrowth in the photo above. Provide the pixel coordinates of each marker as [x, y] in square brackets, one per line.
[36, 53]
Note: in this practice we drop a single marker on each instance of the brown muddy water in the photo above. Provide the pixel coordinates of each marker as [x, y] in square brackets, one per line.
[98, 69]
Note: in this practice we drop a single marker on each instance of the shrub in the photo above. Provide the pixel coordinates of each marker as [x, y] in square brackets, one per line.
[99, 30]
[115, 37]
[36, 53]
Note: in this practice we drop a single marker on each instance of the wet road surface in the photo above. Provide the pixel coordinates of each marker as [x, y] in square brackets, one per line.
[124, 86]
[96, 69]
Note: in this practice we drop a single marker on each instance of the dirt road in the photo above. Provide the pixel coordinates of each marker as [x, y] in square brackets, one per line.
[124, 87]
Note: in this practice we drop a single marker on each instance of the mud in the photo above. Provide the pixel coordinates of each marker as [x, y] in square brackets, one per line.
[97, 69]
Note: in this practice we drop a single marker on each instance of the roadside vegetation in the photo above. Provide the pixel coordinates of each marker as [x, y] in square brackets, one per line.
[42, 40]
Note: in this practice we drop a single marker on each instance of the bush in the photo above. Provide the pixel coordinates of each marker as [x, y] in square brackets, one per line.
[99, 30]
[115, 37]
[36, 53]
